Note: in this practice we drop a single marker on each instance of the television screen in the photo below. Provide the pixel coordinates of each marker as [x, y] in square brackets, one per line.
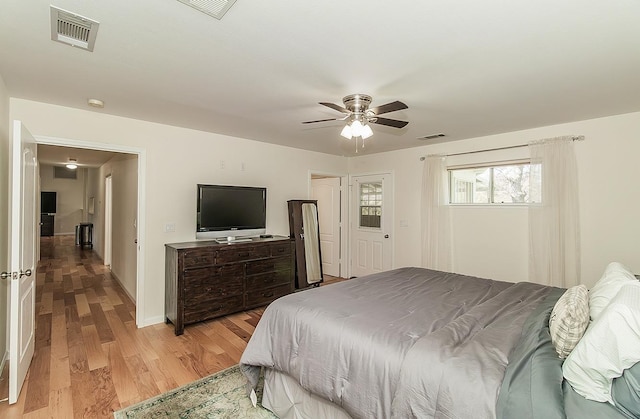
[48, 202]
[225, 211]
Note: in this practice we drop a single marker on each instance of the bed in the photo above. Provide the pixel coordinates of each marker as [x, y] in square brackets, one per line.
[414, 342]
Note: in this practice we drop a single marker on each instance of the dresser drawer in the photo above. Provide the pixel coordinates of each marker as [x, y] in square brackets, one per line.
[193, 258]
[210, 308]
[212, 288]
[263, 297]
[266, 280]
[201, 277]
[268, 265]
[238, 254]
[280, 249]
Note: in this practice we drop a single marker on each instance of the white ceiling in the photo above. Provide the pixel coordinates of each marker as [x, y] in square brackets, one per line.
[464, 68]
[59, 156]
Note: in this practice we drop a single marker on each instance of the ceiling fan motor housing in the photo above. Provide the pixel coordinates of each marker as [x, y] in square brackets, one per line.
[357, 103]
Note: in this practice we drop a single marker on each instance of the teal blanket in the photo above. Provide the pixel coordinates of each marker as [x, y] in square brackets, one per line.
[533, 386]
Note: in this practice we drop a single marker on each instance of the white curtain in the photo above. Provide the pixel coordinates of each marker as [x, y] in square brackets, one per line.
[436, 227]
[554, 230]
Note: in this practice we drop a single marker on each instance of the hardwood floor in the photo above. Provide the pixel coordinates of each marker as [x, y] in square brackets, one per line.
[90, 359]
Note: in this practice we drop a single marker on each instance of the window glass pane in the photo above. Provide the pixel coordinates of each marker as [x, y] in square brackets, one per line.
[470, 186]
[511, 184]
[370, 204]
[506, 184]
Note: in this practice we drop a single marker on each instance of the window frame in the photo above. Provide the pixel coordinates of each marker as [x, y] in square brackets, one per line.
[491, 187]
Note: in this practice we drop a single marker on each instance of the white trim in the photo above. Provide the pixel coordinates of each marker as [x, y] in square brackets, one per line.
[141, 219]
[345, 230]
[152, 320]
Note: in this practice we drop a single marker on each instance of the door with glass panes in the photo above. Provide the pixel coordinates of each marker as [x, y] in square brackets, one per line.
[371, 223]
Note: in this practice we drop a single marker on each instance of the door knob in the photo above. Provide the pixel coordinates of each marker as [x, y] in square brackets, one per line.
[5, 275]
[386, 236]
[25, 273]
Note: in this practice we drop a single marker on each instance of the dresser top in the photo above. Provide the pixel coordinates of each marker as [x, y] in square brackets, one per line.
[210, 243]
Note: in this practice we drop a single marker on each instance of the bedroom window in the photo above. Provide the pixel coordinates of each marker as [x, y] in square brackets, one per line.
[370, 204]
[499, 184]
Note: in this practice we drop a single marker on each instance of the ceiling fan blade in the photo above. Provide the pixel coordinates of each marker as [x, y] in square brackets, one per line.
[389, 122]
[389, 107]
[325, 120]
[336, 107]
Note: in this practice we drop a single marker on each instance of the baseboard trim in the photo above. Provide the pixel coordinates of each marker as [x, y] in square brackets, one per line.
[133, 300]
[152, 320]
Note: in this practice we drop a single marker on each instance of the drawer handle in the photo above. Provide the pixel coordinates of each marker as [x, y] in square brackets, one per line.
[268, 280]
[243, 255]
[280, 250]
[267, 294]
[219, 308]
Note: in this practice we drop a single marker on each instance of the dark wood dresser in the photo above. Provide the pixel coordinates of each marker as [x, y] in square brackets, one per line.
[206, 279]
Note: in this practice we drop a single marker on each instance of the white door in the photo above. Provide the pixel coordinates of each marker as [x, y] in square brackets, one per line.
[22, 224]
[327, 192]
[371, 223]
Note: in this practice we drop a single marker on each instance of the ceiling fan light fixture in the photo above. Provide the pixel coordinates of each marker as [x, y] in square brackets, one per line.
[356, 128]
[346, 132]
[366, 132]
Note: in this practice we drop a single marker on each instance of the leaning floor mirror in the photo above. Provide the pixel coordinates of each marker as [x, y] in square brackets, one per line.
[304, 229]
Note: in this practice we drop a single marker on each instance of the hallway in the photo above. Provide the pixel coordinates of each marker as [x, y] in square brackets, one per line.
[90, 359]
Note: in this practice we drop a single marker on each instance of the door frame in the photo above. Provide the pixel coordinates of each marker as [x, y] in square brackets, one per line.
[344, 215]
[141, 221]
[353, 195]
[108, 219]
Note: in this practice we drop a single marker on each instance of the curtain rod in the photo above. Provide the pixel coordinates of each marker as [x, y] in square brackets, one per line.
[574, 138]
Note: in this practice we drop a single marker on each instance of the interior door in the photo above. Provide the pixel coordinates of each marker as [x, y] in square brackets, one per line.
[22, 224]
[371, 223]
[327, 192]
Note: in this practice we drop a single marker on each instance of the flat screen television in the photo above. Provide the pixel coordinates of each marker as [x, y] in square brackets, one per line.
[230, 211]
[48, 202]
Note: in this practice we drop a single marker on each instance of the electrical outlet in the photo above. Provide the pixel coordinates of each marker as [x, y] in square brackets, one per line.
[222, 164]
[169, 228]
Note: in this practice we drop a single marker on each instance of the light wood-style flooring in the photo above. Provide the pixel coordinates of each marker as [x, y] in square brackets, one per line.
[90, 359]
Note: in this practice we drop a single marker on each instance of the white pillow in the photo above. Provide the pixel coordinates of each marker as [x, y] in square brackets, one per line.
[610, 345]
[614, 277]
[569, 319]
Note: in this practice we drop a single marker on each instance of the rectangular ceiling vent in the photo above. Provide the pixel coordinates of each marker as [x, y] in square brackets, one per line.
[72, 29]
[61, 172]
[215, 8]
[431, 136]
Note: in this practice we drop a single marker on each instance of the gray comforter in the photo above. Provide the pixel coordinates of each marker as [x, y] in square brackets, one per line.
[406, 343]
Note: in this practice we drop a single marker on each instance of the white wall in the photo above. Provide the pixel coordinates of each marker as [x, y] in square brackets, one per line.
[493, 241]
[489, 242]
[123, 170]
[176, 160]
[4, 214]
[70, 198]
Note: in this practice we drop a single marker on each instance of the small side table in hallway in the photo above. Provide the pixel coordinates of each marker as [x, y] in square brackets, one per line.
[84, 235]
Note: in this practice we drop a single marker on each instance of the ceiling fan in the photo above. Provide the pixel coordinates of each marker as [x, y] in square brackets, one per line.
[359, 115]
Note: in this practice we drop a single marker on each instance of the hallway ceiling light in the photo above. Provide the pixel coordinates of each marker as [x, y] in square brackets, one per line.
[95, 103]
[72, 164]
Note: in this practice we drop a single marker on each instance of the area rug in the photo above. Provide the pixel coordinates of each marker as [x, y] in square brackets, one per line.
[221, 395]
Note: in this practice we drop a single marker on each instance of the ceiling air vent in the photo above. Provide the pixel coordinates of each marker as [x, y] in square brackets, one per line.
[72, 29]
[431, 137]
[215, 8]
